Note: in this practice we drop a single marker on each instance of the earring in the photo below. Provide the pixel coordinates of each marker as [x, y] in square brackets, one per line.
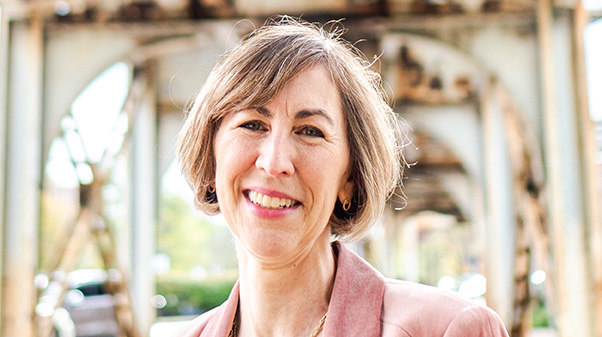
[210, 195]
[346, 205]
[346, 209]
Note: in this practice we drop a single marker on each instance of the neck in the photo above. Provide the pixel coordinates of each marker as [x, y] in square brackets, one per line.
[289, 299]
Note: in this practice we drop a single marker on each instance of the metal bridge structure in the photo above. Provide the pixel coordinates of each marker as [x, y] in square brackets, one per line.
[510, 151]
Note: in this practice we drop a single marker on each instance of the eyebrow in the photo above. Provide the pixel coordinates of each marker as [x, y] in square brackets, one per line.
[305, 113]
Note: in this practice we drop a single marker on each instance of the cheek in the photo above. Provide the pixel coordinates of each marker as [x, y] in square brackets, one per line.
[325, 173]
[231, 160]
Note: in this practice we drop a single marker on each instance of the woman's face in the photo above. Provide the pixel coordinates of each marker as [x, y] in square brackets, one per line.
[281, 167]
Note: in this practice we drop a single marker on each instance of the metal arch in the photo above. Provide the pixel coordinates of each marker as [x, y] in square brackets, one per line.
[90, 223]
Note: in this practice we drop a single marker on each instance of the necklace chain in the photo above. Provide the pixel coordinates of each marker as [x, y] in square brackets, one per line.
[320, 326]
[317, 330]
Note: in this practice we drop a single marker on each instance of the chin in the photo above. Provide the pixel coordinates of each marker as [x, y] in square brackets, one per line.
[272, 247]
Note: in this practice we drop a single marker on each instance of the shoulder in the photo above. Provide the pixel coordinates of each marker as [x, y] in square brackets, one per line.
[421, 310]
[399, 294]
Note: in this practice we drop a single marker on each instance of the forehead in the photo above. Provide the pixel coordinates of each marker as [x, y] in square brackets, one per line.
[312, 88]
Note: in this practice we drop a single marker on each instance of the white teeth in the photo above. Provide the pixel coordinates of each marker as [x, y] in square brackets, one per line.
[269, 202]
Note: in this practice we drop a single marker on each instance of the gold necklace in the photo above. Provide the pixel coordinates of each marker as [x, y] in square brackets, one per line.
[320, 326]
[317, 330]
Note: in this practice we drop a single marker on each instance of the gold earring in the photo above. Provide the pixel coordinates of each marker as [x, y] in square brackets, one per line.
[346, 205]
[211, 189]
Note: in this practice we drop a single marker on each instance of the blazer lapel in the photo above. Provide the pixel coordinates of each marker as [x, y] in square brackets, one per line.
[221, 323]
[357, 297]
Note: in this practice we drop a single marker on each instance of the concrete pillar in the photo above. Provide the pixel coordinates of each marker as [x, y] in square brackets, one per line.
[564, 177]
[500, 225]
[21, 193]
[144, 187]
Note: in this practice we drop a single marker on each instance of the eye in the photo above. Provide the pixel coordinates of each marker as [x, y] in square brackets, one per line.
[252, 125]
[311, 131]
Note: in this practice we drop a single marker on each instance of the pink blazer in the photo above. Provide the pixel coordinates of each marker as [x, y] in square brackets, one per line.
[366, 304]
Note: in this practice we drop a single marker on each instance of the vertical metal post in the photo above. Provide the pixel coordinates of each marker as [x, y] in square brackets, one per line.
[564, 171]
[3, 138]
[555, 201]
[22, 190]
[144, 208]
[592, 200]
[500, 222]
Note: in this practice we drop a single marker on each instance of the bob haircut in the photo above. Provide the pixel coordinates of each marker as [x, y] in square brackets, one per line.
[254, 71]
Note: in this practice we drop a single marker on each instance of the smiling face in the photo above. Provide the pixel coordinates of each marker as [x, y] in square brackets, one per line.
[280, 168]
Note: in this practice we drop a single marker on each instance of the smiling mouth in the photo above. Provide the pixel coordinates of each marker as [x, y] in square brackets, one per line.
[265, 201]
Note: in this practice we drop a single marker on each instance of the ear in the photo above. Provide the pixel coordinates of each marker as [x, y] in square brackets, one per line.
[346, 191]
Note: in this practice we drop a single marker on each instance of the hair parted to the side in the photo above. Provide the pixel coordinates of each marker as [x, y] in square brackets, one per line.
[253, 72]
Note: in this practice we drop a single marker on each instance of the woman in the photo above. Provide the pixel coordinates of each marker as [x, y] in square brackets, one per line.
[292, 141]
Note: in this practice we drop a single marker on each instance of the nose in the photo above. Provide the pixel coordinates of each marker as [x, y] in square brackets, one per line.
[276, 155]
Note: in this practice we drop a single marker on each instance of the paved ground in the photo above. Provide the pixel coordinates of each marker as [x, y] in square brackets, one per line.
[166, 328]
[542, 333]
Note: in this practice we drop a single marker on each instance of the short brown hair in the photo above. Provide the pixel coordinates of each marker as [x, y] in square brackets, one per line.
[254, 71]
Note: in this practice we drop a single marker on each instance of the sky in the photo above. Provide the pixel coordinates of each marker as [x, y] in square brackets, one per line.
[95, 113]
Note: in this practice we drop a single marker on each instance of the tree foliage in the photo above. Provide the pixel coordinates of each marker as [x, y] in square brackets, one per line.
[193, 240]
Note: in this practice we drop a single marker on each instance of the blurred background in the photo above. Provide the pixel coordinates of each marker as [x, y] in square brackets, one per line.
[501, 201]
